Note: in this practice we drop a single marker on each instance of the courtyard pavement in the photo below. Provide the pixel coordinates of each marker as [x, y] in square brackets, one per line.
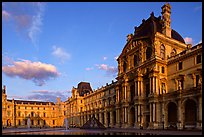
[109, 131]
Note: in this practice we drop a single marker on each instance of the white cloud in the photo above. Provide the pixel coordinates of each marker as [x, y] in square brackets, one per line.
[38, 72]
[105, 58]
[116, 57]
[36, 23]
[88, 69]
[27, 17]
[188, 40]
[110, 70]
[60, 53]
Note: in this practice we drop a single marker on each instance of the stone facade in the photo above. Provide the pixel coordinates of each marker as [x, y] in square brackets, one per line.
[15, 113]
[159, 85]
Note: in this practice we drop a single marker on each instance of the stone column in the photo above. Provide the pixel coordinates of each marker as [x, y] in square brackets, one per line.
[105, 119]
[100, 117]
[179, 115]
[199, 124]
[154, 85]
[150, 106]
[136, 89]
[141, 86]
[158, 113]
[150, 81]
[111, 118]
[136, 117]
[154, 112]
[142, 116]
[125, 113]
[117, 117]
[125, 91]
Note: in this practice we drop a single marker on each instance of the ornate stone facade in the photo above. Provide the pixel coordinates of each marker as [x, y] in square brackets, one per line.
[15, 113]
[159, 84]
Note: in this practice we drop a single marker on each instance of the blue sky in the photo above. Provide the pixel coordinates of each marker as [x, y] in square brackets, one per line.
[47, 48]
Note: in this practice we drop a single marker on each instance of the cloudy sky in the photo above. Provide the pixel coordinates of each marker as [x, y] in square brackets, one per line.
[47, 48]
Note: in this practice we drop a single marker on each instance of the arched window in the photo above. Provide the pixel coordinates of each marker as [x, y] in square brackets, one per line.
[148, 52]
[162, 51]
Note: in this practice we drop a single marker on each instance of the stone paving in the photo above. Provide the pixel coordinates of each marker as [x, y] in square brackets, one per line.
[109, 131]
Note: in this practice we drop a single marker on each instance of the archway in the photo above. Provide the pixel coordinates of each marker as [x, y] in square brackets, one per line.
[172, 115]
[190, 113]
[9, 122]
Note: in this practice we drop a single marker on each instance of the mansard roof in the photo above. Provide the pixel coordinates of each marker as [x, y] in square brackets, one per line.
[84, 87]
[152, 25]
[30, 102]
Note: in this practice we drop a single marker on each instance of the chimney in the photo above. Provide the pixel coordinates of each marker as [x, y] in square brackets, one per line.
[4, 89]
[166, 13]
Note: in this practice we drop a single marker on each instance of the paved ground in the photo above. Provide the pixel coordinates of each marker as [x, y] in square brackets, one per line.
[77, 131]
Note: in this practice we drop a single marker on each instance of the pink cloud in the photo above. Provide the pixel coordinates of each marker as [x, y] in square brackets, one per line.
[109, 69]
[188, 40]
[36, 71]
[26, 17]
[88, 69]
[5, 15]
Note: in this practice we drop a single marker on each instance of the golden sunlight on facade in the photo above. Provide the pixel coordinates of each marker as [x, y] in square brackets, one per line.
[159, 86]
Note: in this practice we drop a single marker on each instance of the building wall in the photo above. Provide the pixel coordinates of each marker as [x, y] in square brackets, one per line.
[150, 93]
[15, 113]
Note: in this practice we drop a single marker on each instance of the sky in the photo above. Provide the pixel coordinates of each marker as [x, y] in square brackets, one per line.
[48, 48]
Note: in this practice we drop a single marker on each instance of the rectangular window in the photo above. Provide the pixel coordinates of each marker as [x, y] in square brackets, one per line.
[19, 114]
[8, 113]
[180, 65]
[44, 114]
[163, 70]
[197, 80]
[53, 122]
[198, 59]
[19, 122]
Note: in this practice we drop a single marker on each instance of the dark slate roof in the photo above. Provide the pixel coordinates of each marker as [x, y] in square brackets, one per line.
[84, 87]
[152, 25]
[30, 102]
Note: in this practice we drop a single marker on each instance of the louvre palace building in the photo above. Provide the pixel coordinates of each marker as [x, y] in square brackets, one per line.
[158, 86]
